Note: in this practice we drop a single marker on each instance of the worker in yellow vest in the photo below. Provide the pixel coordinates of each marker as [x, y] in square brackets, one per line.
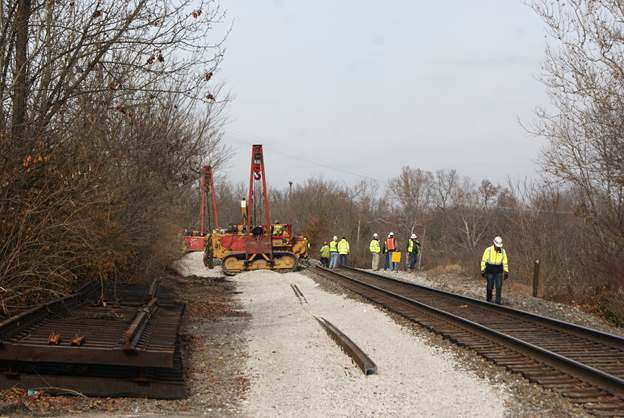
[343, 250]
[495, 269]
[413, 248]
[333, 253]
[375, 249]
[324, 255]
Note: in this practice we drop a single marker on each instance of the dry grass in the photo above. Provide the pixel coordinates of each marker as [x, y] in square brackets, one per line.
[447, 269]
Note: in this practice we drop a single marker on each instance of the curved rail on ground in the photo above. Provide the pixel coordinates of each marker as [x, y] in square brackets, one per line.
[571, 359]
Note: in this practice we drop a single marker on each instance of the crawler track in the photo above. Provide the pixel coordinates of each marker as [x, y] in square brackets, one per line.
[584, 365]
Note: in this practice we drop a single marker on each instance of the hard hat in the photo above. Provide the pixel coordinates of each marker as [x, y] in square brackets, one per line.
[498, 241]
[325, 243]
[375, 235]
[413, 236]
[335, 238]
[391, 234]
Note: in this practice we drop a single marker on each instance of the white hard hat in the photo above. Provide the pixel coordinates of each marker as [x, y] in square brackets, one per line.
[391, 234]
[375, 235]
[335, 238]
[498, 241]
[413, 236]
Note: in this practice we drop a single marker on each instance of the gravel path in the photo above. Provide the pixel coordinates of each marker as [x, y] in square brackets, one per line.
[297, 370]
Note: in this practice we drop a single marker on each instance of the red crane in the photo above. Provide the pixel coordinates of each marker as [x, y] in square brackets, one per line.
[196, 240]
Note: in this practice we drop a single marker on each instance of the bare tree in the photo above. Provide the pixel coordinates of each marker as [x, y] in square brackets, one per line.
[584, 76]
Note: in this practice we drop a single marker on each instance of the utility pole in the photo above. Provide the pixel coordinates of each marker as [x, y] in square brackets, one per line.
[290, 183]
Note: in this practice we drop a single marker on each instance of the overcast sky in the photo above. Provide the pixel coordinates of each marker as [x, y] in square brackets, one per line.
[352, 88]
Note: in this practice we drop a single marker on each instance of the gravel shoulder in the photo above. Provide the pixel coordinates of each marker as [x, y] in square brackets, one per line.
[297, 370]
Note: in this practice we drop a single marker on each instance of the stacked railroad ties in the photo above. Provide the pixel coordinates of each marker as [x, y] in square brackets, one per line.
[120, 342]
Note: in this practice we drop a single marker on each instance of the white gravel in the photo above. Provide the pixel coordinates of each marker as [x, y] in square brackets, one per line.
[297, 370]
[192, 264]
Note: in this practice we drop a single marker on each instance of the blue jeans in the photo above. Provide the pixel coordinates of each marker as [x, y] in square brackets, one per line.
[343, 260]
[494, 280]
[389, 264]
[413, 259]
[333, 260]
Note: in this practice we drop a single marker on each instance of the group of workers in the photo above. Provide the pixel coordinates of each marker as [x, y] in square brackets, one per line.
[494, 264]
[389, 247]
[334, 253]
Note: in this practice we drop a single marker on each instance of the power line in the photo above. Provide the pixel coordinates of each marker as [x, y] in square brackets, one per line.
[318, 164]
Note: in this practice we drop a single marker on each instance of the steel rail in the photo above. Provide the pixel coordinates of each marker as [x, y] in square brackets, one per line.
[358, 356]
[580, 330]
[133, 334]
[610, 383]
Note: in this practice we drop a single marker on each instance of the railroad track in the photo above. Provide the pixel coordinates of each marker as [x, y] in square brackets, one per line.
[120, 342]
[584, 365]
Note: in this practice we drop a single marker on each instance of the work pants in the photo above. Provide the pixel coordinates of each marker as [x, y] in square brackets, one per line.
[375, 263]
[387, 261]
[494, 280]
[333, 261]
[413, 259]
[324, 261]
[343, 260]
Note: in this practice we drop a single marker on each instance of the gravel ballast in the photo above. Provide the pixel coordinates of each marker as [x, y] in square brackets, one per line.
[297, 370]
[465, 285]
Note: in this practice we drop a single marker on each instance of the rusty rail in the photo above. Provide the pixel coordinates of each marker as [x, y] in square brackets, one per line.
[358, 356]
[12, 325]
[133, 334]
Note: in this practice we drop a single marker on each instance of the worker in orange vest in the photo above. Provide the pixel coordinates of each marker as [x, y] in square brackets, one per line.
[390, 246]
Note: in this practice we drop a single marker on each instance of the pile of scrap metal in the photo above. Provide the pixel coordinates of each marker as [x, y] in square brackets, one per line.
[99, 346]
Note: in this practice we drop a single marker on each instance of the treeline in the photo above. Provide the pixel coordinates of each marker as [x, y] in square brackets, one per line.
[108, 112]
[456, 219]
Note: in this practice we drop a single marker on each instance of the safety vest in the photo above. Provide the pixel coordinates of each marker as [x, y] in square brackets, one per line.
[410, 246]
[325, 251]
[494, 258]
[343, 247]
[390, 244]
[374, 246]
[333, 246]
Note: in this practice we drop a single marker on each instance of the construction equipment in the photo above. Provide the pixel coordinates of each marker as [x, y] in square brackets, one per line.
[255, 243]
[195, 240]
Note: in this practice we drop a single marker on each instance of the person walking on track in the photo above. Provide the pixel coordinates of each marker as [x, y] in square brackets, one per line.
[343, 250]
[324, 255]
[495, 269]
[391, 247]
[333, 253]
[375, 249]
[413, 248]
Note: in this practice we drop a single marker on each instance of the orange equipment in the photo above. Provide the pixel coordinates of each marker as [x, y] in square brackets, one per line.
[255, 243]
[196, 240]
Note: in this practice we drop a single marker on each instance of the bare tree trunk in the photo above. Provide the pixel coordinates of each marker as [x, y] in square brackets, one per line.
[20, 92]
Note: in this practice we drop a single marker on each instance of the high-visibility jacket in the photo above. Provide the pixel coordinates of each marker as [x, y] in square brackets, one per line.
[325, 251]
[492, 260]
[333, 246]
[374, 246]
[390, 244]
[343, 246]
[413, 246]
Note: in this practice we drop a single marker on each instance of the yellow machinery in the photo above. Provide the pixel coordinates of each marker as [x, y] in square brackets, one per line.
[249, 246]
